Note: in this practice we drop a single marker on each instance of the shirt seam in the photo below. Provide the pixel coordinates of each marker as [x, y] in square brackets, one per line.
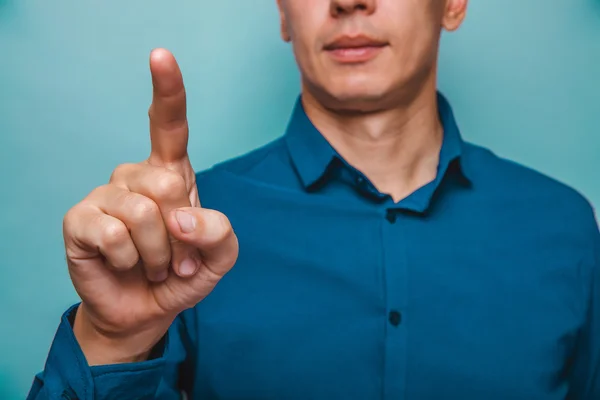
[255, 162]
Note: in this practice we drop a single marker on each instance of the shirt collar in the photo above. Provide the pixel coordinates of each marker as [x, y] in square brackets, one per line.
[453, 146]
[312, 155]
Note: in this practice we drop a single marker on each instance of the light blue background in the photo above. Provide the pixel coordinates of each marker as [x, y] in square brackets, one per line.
[523, 76]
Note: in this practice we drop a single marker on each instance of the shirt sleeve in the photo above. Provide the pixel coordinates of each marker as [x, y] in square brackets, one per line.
[585, 376]
[67, 376]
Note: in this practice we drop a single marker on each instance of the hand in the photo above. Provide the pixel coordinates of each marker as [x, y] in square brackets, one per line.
[141, 249]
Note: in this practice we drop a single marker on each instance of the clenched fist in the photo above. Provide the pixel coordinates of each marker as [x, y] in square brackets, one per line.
[141, 249]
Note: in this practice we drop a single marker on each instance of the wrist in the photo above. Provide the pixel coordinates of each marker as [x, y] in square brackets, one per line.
[101, 348]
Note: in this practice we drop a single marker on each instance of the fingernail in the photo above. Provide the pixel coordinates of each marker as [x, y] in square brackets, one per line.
[187, 222]
[187, 267]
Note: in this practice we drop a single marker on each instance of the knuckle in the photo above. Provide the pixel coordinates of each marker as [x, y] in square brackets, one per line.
[99, 194]
[113, 234]
[143, 209]
[169, 186]
[120, 172]
[70, 219]
[75, 218]
[128, 262]
[96, 192]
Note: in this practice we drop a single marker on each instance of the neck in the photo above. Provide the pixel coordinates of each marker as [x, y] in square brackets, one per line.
[397, 148]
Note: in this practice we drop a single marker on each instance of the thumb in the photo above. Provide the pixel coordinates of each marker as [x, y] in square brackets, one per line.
[210, 232]
[168, 115]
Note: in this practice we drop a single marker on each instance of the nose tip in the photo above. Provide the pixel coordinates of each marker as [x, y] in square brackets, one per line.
[346, 7]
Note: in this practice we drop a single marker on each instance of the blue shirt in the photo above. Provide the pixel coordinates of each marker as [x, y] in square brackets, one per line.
[483, 284]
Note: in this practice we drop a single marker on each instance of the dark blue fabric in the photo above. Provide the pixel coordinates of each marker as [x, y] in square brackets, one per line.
[483, 284]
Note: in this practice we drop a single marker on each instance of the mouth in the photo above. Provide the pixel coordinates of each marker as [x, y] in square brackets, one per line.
[354, 49]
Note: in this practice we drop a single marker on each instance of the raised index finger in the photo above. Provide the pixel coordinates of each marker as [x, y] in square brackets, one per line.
[168, 119]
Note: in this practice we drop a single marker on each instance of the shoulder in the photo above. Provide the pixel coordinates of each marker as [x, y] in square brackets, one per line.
[513, 183]
[245, 165]
[267, 167]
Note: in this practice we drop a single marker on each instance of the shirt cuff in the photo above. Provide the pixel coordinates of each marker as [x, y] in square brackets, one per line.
[71, 375]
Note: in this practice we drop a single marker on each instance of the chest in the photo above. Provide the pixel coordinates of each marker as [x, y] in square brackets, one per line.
[336, 303]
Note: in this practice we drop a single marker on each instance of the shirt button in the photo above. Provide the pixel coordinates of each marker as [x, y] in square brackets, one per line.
[391, 216]
[395, 318]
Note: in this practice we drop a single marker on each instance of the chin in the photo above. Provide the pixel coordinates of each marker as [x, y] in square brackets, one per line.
[359, 93]
[356, 99]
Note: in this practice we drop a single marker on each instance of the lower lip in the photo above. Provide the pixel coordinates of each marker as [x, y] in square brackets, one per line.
[355, 55]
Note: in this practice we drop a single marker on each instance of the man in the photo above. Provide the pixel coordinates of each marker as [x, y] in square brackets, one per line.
[381, 256]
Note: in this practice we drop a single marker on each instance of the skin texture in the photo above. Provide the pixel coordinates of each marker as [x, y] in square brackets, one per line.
[393, 79]
[381, 114]
[141, 249]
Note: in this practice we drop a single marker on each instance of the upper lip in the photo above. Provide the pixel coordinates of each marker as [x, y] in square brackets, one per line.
[353, 42]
